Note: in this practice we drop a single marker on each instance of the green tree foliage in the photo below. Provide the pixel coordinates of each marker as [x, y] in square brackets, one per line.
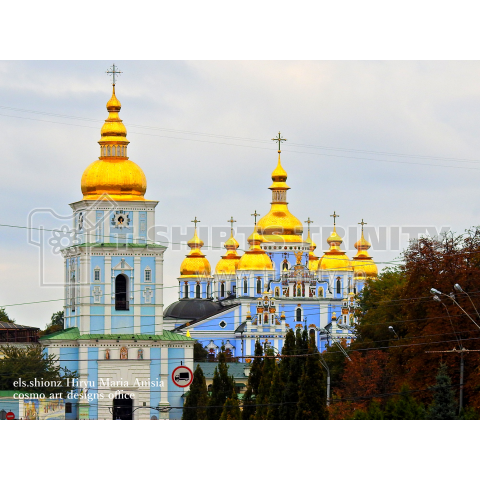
[4, 316]
[374, 412]
[222, 386]
[265, 384]
[197, 398]
[56, 323]
[312, 394]
[253, 384]
[443, 406]
[276, 394]
[33, 363]
[200, 353]
[404, 407]
[290, 397]
[231, 409]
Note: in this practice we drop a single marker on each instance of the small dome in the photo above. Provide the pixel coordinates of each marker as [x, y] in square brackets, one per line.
[335, 258]
[255, 258]
[192, 309]
[195, 264]
[227, 265]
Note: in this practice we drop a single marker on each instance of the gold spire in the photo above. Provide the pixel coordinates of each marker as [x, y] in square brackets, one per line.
[334, 258]
[312, 258]
[195, 264]
[363, 264]
[227, 265]
[113, 174]
[255, 258]
[279, 225]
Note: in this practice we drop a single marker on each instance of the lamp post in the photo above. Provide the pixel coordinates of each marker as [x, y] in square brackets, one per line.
[434, 291]
[394, 332]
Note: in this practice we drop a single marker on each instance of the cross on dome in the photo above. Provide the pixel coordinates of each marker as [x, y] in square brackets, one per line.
[195, 222]
[334, 217]
[114, 72]
[231, 222]
[279, 139]
[362, 223]
[255, 215]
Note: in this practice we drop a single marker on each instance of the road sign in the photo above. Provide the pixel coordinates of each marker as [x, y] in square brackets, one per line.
[182, 376]
[10, 416]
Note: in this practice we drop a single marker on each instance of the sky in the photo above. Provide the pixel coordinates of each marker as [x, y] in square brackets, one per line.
[392, 142]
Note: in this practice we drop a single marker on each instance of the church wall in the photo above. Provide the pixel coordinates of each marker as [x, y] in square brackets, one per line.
[147, 325]
[175, 356]
[122, 324]
[155, 376]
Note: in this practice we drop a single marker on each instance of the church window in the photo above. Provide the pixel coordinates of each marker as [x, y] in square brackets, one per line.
[148, 275]
[223, 324]
[96, 275]
[68, 407]
[108, 151]
[185, 291]
[277, 291]
[222, 290]
[121, 292]
[245, 286]
[349, 285]
[299, 314]
[320, 291]
[259, 286]
[339, 286]
[197, 290]
[312, 332]
[234, 288]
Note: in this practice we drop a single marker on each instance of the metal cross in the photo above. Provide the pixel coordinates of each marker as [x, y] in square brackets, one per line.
[195, 222]
[231, 221]
[309, 222]
[334, 217]
[279, 139]
[114, 72]
[362, 223]
[255, 215]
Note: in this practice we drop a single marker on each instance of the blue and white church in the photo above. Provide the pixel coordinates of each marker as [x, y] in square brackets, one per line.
[278, 283]
[115, 337]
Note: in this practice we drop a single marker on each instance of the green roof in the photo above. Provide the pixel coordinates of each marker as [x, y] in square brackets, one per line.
[9, 393]
[74, 334]
[237, 369]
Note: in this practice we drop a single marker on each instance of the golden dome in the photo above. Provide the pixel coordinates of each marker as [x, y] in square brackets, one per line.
[334, 258]
[113, 174]
[279, 225]
[363, 264]
[255, 258]
[312, 258]
[227, 265]
[195, 264]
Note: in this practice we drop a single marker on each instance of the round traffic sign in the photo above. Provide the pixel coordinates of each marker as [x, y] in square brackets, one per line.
[182, 376]
[10, 416]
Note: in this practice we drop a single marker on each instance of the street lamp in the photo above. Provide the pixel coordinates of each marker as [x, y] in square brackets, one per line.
[436, 297]
[394, 332]
[459, 289]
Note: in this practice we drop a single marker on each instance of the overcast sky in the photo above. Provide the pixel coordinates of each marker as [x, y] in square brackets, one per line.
[410, 111]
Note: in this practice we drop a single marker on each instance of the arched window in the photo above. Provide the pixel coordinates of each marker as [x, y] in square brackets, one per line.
[222, 290]
[320, 292]
[208, 290]
[259, 286]
[108, 151]
[299, 314]
[185, 291]
[349, 285]
[277, 291]
[245, 286]
[312, 332]
[121, 292]
[197, 290]
[339, 286]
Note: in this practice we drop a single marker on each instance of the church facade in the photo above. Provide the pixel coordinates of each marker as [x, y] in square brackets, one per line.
[278, 283]
[114, 333]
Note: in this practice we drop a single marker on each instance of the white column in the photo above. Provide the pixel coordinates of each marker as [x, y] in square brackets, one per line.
[159, 294]
[108, 294]
[137, 294]
[84, 293]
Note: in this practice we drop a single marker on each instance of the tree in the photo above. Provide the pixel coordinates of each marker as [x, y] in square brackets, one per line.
[197, 398]
[265, 385]
[311, 396]
[276, 393]
[253, 384]
[200, 353]
[231, 409]
[373, 412]
[222, 386]
[56, 323]
[443, 406]
[4, 316]
[404, 407]
[30, 364]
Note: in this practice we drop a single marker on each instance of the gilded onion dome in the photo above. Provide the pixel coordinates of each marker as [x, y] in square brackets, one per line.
[279, 225]
[334, 258]
[113, 176]
[312, 258]
[195, 265]
[255, 258]
[363, 264]
[228, 263]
